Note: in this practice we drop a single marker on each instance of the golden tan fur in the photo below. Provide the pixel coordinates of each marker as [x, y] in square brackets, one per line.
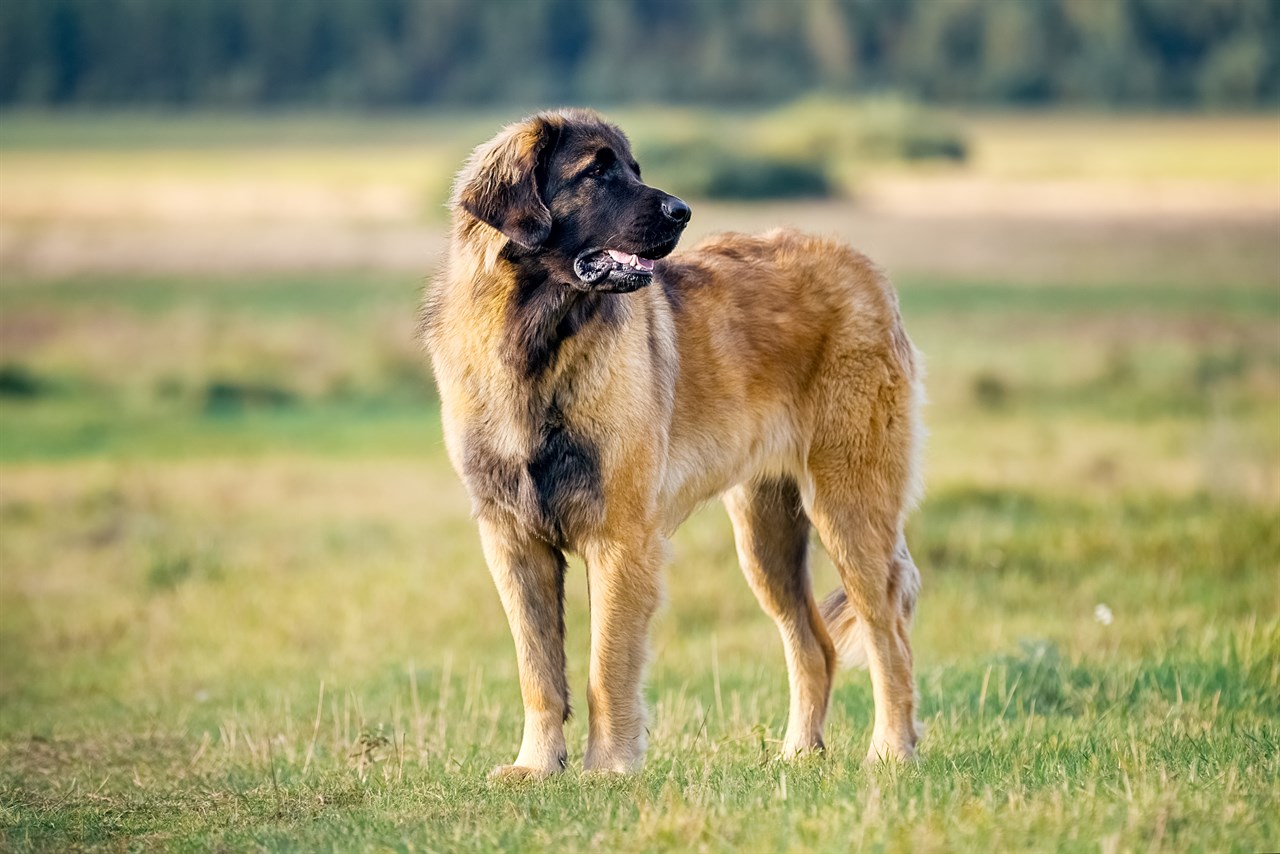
[771, 370]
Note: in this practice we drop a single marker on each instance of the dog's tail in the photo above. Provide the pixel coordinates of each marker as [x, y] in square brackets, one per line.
[847, 631]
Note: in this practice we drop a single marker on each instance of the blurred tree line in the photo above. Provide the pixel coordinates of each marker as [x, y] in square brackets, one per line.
[408, 52]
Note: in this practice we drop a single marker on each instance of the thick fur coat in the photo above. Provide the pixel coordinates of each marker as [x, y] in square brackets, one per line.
[595, 389]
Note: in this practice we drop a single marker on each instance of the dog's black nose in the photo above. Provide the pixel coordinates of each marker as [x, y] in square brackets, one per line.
[676, 210]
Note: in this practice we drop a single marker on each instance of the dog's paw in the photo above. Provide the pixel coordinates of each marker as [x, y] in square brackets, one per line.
[887, 753]
[611, 772]
[520, 773]
[802, 752]
[612, 765]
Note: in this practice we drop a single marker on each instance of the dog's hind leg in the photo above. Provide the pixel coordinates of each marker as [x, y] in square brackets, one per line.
[530, 578]
[843, 625]
[772, 535]
[876, 570]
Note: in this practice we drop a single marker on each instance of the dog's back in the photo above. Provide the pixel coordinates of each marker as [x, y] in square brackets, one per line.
[786, 341]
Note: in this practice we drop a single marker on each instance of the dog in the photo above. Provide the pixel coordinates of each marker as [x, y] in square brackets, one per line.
[595, 389]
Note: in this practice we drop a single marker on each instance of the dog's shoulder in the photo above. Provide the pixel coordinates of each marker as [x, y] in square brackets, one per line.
[737, 261]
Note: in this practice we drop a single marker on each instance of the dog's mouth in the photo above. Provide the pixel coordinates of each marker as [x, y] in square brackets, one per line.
[604, 269]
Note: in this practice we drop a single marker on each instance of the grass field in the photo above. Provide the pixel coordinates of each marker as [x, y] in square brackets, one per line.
[242, 604]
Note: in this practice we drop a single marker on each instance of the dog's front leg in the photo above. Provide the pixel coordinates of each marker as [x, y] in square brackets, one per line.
[625, 585]
[530, 579]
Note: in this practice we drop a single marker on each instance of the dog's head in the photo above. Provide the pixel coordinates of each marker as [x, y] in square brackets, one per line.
[565, 189]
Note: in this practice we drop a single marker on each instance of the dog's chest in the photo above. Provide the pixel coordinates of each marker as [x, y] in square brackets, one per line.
[553, 490]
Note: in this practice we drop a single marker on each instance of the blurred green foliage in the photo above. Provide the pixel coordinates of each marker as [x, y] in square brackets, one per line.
[800, 150]
[402, 52]
[709, 169]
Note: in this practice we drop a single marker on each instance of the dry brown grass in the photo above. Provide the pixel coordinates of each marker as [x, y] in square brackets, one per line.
[1041, 196]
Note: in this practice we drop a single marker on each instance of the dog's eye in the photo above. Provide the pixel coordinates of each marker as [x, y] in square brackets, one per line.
[604, 162]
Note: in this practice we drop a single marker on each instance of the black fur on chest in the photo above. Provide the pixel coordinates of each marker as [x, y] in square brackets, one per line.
[543, 313]
[555, 493]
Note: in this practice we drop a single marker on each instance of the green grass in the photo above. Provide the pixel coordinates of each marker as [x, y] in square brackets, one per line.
[242, 603]
[328, 294]
[295, 295]
[165, 688]
[78, 430]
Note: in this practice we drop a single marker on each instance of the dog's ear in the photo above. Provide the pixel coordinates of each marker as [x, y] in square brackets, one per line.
[499, 185]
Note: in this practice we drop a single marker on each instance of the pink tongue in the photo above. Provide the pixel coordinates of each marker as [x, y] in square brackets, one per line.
[631, 260]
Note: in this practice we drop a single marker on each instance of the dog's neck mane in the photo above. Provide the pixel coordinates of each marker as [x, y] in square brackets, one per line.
[539, 313]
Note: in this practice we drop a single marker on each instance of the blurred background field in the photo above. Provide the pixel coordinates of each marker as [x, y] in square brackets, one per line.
[242, 604]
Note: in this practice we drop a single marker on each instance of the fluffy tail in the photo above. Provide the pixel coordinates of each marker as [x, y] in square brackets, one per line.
[847, 631]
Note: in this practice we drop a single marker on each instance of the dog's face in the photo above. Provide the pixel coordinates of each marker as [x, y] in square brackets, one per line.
[565, 188]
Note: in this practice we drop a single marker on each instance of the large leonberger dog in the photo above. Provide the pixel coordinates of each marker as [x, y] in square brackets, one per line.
[595, 389]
